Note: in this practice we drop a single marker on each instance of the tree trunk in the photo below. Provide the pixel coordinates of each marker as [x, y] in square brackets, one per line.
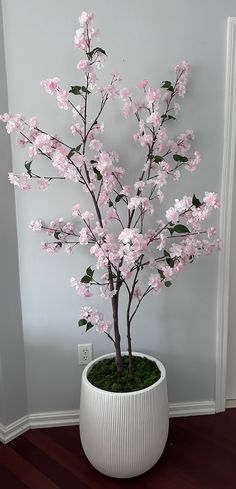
[115, 304]
[129, 348]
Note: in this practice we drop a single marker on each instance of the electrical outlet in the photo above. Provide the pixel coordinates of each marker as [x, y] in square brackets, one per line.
[85, 353]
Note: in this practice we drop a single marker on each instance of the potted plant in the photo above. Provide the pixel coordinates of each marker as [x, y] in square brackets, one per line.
[134, 245]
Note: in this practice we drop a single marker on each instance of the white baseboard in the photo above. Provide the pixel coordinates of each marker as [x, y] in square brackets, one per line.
[197, 408]
[230, 403]
[66, 418]
[11, 431]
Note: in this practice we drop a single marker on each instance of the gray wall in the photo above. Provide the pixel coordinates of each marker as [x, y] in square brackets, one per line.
[13, 402]
[143, 40]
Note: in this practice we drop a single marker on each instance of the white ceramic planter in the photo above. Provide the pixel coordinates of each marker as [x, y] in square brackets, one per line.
[124, 434]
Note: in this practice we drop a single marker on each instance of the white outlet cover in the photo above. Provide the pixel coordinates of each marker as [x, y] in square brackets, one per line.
[85, 353]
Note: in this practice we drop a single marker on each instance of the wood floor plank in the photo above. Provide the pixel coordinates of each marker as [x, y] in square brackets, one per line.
[47, 462]
[24, 471]
[8, 480]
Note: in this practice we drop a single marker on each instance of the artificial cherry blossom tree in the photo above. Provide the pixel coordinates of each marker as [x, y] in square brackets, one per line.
[124, 233]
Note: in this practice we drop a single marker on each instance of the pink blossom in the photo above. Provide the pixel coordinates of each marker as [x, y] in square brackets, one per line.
[83, 236]
[21, 181]
[43, 184]
[104, 327]
[80, 39]
[84, 65]
[59, 159]
[85, 18]
[69, 248]
[176, 108]
[153, 95]
[139, 243]
[111, 213]
[62, 99]
[126, 190]
[161, 241]
[95, 145]
[21, 141]
[13, 178]
[155, 282]
[137, 292]
[142, 202]
[50, 247]
[142, 84]
[154, 119]
[139, 185]
[76, 129]
[87, 216]
[125, 94]
[71, 174]
[36, 225]
[43, 142]
[175, 250]
[50, 85]
[76, 210]
[211, 200]
[211, 232]
[105, 164]
[129, 108]
[125, 272]
[168, 271]
[69, 228]
[172, 215]
[79, 160]
[81, 288]
[177, 175]
[127, 235]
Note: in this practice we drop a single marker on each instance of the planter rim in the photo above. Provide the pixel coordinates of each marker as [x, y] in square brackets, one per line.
[124, 394]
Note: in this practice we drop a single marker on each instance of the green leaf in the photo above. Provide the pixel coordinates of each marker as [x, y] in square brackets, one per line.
[183, 159]
[161, 273]
[119, 197]
[75, 89]
[82, 322]
[171, 230]
[97, 173]
[166, 253]
[171, 117]
[86, 279]
[93, 162]
[168, 85]
[90, 272]
[71, 153]
[85, 90]
[28, 168]
[110, 203]
[196, 202]
[180, 228]
[56, 234]
[157, 159]
[168, 284]
[163, 117]
[170, 262]
[95, 51]
[89, 326]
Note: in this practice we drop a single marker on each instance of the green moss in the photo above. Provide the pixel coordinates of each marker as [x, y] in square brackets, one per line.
[104, 374]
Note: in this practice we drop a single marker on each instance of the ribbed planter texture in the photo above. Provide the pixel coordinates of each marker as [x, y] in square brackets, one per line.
[124, 434]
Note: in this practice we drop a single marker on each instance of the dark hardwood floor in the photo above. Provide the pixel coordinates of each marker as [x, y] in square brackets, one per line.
[200, 454]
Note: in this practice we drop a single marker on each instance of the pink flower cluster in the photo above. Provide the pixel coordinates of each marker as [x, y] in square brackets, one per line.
[95, 317]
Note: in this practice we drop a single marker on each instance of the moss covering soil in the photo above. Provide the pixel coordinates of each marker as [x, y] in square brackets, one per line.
[104, 374]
